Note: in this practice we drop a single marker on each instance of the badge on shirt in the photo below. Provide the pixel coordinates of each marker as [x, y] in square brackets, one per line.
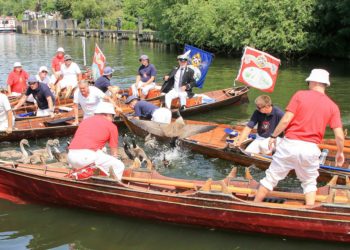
[265, 125]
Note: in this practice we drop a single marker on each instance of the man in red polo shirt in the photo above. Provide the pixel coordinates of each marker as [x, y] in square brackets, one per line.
[307, 115]
[17, 80]
[90, 138]
[57, 61]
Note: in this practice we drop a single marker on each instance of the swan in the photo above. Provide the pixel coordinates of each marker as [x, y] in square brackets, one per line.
[42, 155]
[16, 153]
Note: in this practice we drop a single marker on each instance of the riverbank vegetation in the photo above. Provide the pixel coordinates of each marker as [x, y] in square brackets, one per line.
[287, 28]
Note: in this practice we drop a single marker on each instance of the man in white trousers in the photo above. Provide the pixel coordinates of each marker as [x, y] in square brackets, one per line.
[90, 138]
[179, 83]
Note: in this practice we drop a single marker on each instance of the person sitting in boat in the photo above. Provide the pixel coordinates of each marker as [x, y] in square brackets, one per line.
[44, 98]
[179, 83]
[304, 124]
[104, 82]
[71, 75]
[145, 79]
[42, 75]
[7, 119]
[90, 138]
[56, 63]
[148, 111]
[88, 97]
[16, 81]
[267, 116]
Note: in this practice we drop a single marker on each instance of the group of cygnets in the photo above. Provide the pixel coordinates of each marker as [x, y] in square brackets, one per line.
[49, 153]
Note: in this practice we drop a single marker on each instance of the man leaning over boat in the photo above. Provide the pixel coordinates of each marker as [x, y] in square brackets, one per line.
[267, 116]
[304, 126]
[43, 97]
[88, 97]
[90, 138]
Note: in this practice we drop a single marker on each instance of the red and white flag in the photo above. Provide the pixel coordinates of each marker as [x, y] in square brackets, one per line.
[98, 63]
[258, 69]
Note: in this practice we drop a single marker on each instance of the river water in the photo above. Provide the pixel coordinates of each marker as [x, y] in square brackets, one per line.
[47, 227]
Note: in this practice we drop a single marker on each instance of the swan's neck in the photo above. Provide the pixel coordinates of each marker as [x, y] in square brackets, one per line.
[23, 150]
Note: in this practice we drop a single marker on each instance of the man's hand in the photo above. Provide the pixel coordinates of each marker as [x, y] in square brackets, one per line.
[9, 130]
[183, 88]
[236, 143]
[75, 123]
[339, 159]
[166, 78]
[272, 144]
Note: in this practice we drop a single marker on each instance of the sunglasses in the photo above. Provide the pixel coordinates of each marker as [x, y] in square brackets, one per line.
[31, 83]
[182, 60]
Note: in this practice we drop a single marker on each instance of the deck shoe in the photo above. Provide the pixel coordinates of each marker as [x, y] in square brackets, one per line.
[183, 107]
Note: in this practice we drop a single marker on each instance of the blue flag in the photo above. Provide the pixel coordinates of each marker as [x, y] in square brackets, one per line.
[199, 61]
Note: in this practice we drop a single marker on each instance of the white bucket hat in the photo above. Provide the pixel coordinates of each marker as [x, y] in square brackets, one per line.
[319, 75]
[43, 68]
[105, 108]
[17, 64]
[60, 49]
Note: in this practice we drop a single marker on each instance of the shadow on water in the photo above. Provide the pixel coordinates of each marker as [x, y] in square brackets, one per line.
[42, 227]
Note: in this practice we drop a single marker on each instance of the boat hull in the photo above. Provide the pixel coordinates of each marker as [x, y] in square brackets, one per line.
[210, 210]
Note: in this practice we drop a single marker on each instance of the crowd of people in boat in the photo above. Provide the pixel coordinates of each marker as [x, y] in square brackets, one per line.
[293, 135]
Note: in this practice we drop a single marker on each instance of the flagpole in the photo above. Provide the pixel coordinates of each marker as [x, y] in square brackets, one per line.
[84, 52]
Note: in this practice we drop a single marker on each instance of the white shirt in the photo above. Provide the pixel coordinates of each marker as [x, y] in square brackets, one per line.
[177, 84]
[46, 79]
[89, 103]
[70, 73]
[4, 107]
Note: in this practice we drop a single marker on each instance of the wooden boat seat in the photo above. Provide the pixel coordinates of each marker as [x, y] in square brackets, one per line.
[190, 102]
[215, 137]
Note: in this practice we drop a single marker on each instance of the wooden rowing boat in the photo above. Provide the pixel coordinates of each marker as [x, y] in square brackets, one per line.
[212, 142]
[225, 204]
[40, 127]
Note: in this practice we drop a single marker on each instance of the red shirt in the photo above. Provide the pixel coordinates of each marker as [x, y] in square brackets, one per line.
[94, 132]
[18, 81]
[313, 111]
[56, 63]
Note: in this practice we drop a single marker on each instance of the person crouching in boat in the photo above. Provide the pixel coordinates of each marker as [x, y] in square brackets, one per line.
[88, 97]
[90, 138]
[43, 97]
[179, 83]
[71, 75]
[148, 111]
[267, 116]
[304, 123]
[16, 81]
[104, 82]
[7, 119]
[145, 79]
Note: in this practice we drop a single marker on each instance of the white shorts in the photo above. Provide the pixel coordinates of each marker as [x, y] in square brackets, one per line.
[4, 124]
[261, 145]
[301, 156]
[172, 94]
[78, 158]
[64, 83]
[144, 90]
[162, 115]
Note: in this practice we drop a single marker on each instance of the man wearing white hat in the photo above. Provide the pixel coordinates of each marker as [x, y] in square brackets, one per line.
[17, 80]
[304, 123]
[57, 61]
[71, 75]
[179, 83]
[42, 75]
[90, 138]
[145, 79]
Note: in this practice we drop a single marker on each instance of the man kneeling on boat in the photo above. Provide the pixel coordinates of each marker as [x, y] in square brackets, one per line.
[90, 138]
[43, 97]
[148, 111]
[267, 116]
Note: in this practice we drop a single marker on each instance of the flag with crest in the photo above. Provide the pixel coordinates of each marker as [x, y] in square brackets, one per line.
[258, 69]
[98, 63]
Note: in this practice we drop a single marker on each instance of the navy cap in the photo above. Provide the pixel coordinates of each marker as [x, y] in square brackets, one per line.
[130, 99]
[107, 71]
